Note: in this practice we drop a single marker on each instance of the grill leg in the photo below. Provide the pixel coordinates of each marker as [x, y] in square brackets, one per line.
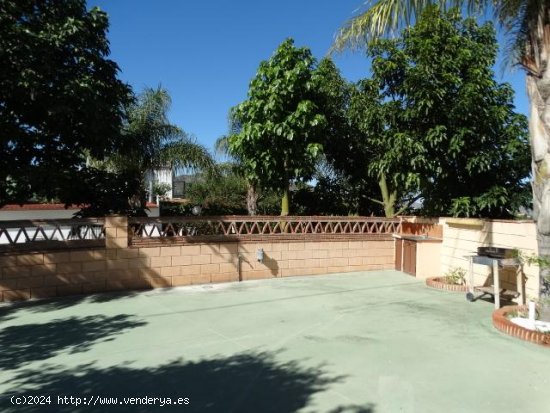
[471, 276]
[496, 283]
[520, 285]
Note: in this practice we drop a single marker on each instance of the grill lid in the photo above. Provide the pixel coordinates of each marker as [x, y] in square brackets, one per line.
[494, 252]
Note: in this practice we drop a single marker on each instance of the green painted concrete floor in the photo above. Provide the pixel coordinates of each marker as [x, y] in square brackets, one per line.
[345, 343]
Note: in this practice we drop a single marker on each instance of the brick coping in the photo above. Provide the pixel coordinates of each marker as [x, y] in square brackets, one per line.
[440, 284]
[505, 325]
[51, 207]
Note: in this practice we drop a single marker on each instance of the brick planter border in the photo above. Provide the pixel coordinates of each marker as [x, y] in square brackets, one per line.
[502, 323]
[440, 284]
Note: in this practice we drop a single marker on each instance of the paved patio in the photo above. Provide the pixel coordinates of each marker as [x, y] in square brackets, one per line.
[355, 343]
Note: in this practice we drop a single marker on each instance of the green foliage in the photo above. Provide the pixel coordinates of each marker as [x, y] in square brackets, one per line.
[437, 126]
[59, 95]
[172, 209]
[102, 199]
[222, 194]
[269, 202]
[533, 259]
[522, 21]
[151, 141]
[161, 188]
[543, 262]
[281, 122]
[343, 185]
[456, 276]
[333, 194]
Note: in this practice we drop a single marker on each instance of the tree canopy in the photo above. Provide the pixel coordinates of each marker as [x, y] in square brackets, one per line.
[59, 96]
[281, 122]
[436, 126]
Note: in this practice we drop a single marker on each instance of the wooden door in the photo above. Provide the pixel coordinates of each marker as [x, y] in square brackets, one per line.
[409, 257]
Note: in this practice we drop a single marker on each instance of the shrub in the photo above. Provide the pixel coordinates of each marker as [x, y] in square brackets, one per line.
[456, 276]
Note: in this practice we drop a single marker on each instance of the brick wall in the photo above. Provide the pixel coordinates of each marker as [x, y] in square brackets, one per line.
[119, 267]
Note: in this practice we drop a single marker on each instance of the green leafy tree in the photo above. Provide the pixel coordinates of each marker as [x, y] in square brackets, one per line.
[367, 116]
[527, 25]
[343, 183]
[420, 129]
[59, 96]
[281, 122]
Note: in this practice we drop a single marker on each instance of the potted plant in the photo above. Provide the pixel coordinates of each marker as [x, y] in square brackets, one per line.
[452, 280]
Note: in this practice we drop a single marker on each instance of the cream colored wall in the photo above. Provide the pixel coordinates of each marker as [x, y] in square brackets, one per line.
[460, 241]
[428, 259]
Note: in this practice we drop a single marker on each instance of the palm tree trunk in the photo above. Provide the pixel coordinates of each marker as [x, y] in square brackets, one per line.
[538, 89]
[252, 199]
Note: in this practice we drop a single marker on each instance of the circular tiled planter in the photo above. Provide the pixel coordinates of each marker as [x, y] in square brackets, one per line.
[440, 284]
[503, 323]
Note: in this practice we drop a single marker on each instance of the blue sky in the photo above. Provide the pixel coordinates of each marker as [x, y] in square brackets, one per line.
[206, 52]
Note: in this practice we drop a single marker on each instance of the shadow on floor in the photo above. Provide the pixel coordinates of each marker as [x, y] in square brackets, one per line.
[31, 342]
[9, 310]
[242, 383]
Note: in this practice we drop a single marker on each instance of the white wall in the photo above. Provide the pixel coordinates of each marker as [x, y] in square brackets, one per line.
[161, 175]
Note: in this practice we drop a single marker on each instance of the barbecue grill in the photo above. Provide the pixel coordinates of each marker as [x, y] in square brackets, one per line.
[495, 252]
[495, 258]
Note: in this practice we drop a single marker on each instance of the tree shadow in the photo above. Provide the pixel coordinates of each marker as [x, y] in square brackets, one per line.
[369, 408]
[9, 310]
[252, 382]
[31, 342]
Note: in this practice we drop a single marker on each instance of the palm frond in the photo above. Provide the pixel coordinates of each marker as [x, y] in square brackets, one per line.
[379, 18]
[527, 24]
[234, 123]
[383, 17]
[221, 146]
[511, 15]
[186, 153]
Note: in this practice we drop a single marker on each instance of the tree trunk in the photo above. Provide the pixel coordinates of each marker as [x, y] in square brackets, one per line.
[285, 201]
[544, 251]
[538, 88]
[387, 198]
[252, 199]
[285, 207]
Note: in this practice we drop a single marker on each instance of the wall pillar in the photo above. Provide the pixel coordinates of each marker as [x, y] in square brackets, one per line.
[116, 232]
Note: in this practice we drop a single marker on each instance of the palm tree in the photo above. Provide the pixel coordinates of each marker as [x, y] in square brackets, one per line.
[152, 142]
[527, 24]
[223, 146]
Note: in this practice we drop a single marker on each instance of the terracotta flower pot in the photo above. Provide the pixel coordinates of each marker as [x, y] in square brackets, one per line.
[441, 284]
